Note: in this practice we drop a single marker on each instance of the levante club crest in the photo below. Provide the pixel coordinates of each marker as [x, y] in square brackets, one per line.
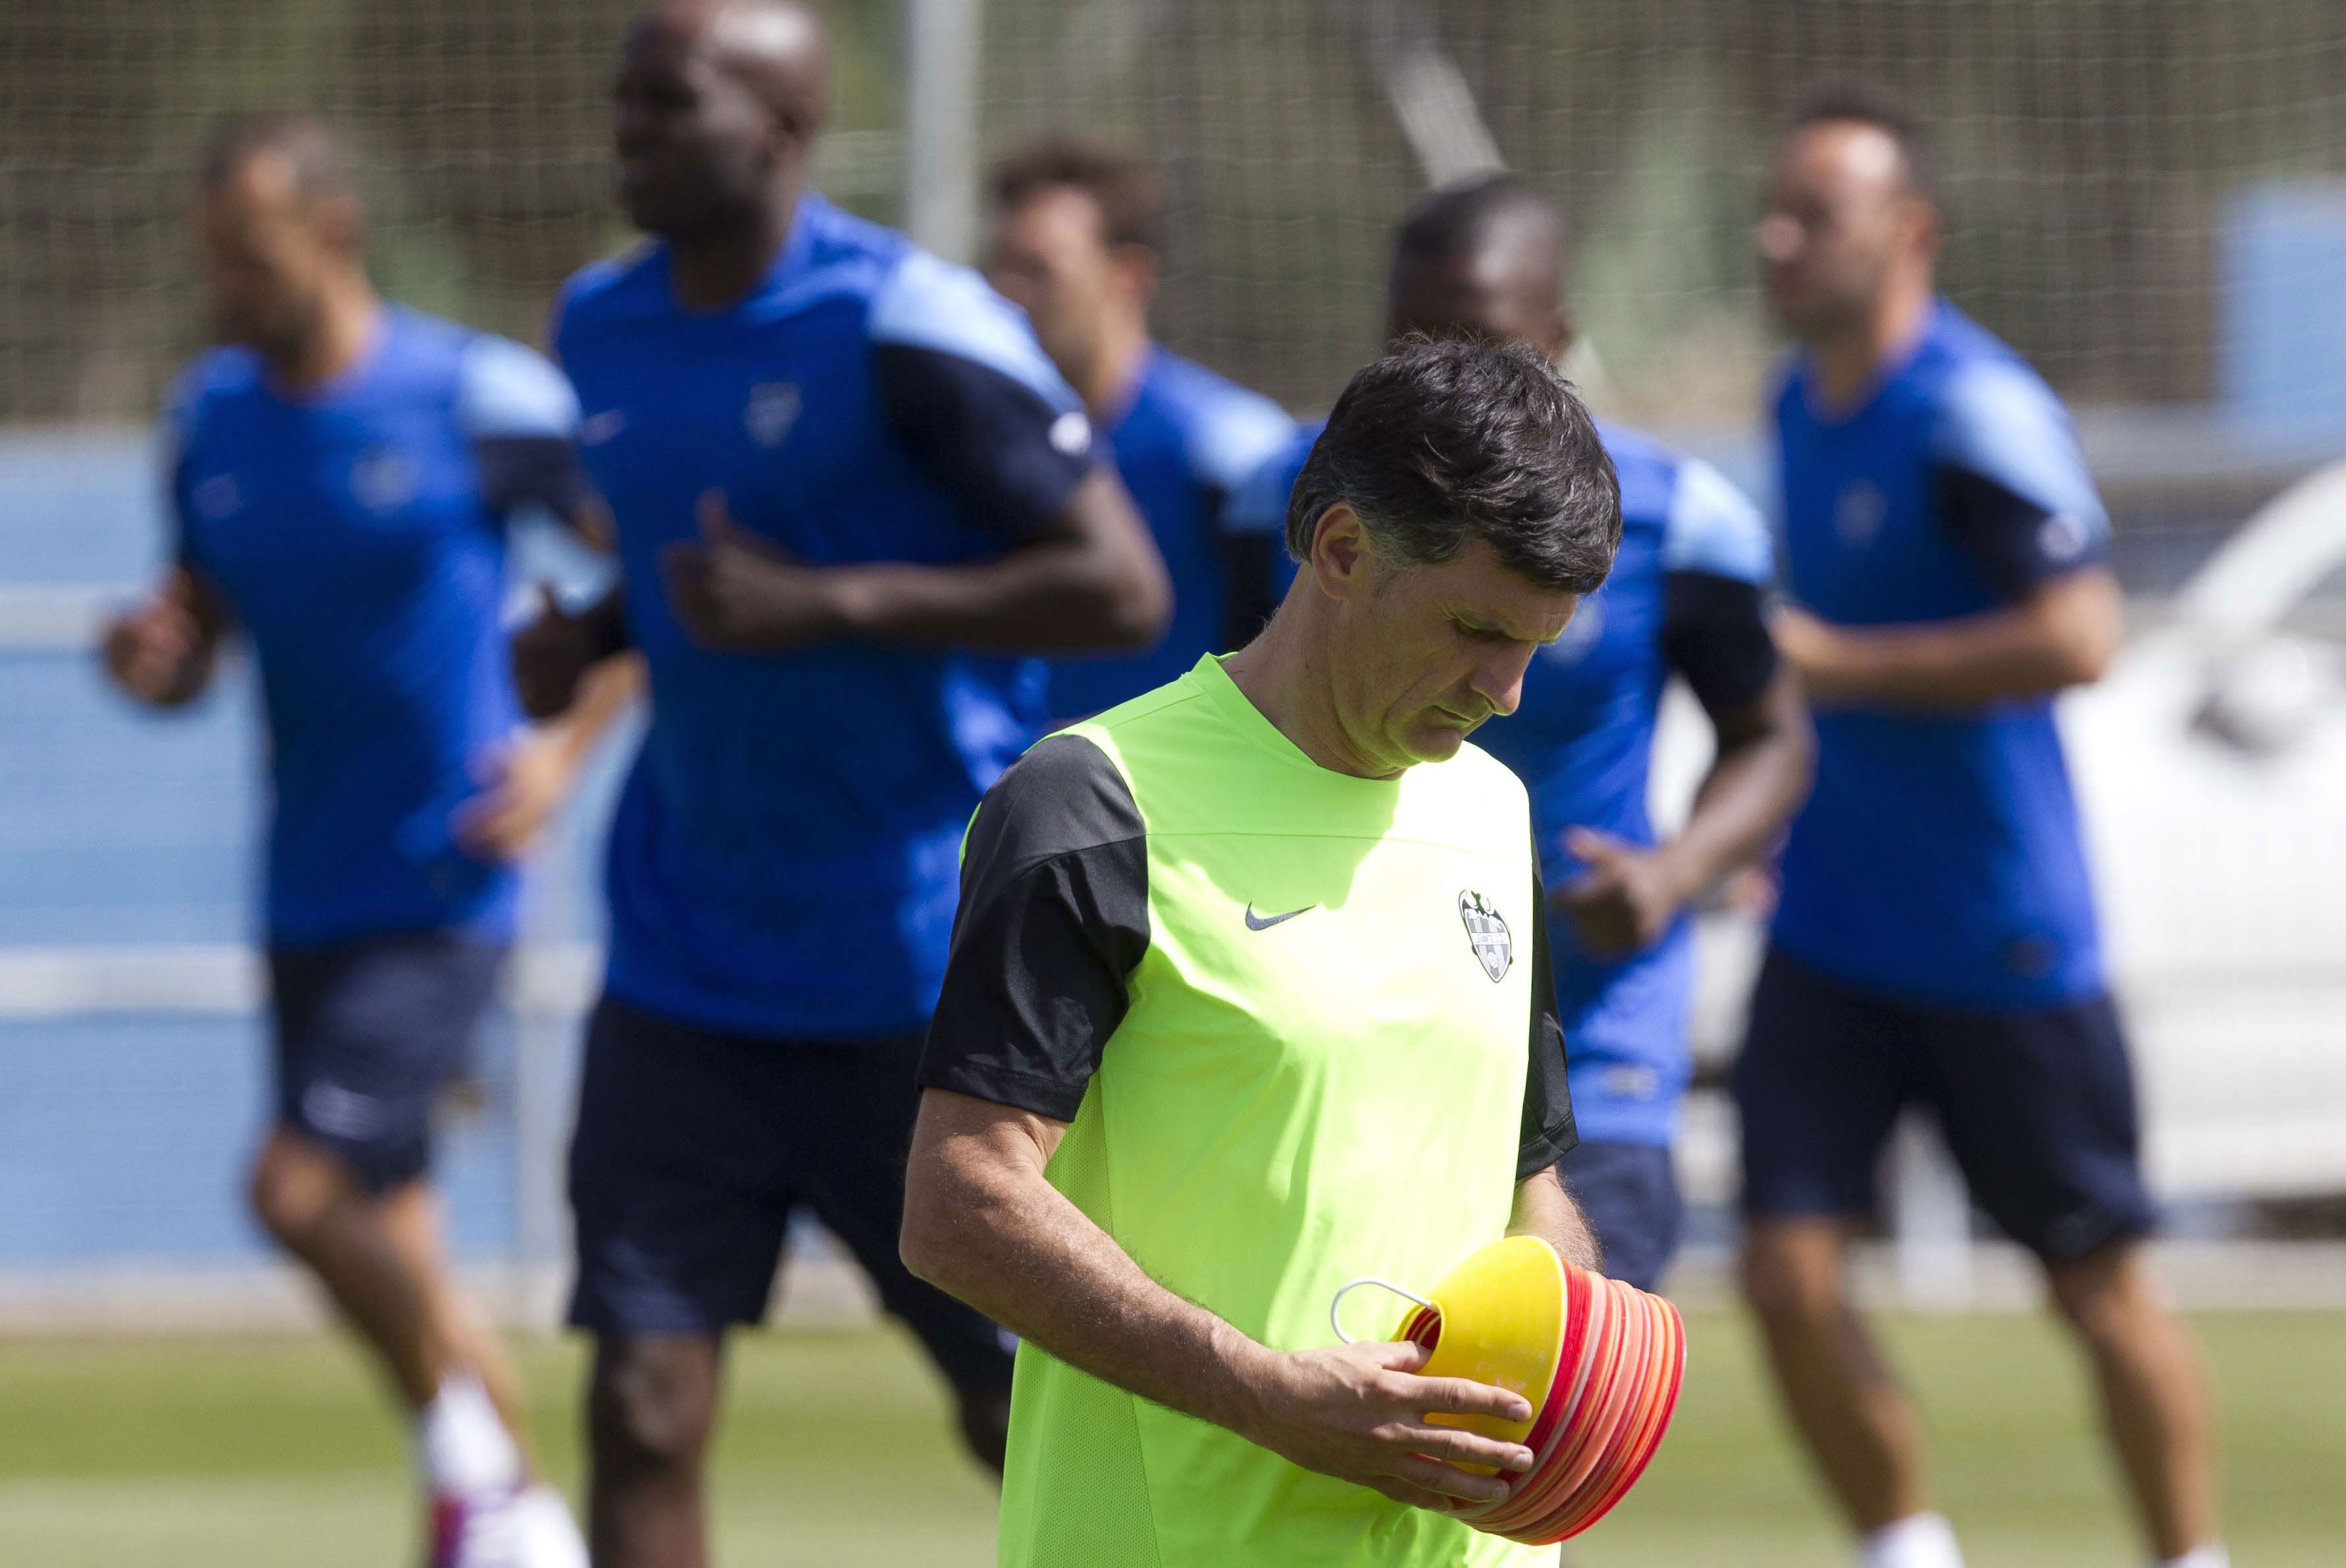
[1486, 928]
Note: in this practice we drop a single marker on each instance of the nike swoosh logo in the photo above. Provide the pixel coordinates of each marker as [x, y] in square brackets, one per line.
[1264, 922]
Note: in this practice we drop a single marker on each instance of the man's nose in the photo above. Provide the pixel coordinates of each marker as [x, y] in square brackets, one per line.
[1500, 681]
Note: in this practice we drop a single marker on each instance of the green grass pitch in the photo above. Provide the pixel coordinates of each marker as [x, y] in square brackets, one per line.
[833, 1450]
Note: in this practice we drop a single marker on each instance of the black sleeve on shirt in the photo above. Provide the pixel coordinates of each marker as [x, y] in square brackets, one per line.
[1246, 562]
[2018, 545]
[1054, 916]
[986, 436]
[517, 471]
[1715, 634]
[1548, 1133]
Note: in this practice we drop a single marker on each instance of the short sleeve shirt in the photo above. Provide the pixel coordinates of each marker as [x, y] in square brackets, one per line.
[1301, 1027]
[357, 532]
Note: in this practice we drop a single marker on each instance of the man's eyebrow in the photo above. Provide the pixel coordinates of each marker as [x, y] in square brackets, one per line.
[1474, 623]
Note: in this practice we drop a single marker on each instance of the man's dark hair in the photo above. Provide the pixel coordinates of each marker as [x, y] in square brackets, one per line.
[1132, 210]
[1457, 220]
[1446, 440]
[1856, 101]
[305, 142]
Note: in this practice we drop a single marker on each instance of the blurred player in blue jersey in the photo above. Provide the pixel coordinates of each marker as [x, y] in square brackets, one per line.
[850, 493]
[340, 474]
[1684, 598]
[1077, 238]
[1935, 943]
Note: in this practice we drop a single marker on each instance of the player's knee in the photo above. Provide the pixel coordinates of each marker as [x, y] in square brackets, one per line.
[289, 1195]
[650, 1405]
[2106, 1297]
[1790, 1285]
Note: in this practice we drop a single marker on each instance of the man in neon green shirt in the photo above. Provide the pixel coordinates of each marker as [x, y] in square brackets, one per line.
[1249, 996]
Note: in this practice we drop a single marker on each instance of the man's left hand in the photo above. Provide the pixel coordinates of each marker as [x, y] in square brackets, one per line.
[522, 787]
[735, 591]
[1623, 900]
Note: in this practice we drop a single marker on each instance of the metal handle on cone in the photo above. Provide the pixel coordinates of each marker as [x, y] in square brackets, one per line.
[1336, 1304]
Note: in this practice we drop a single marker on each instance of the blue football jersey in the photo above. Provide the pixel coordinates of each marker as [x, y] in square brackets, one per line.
[1583, 738]
[785, 856]
[1939, 858]
[357, 532]
[1185, 443]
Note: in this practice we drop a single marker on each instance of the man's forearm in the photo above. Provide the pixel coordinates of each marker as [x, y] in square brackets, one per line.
[2063, 635]
[1543, 1209]
[605, 693]
[1016, 1249]
[1766, 756]
[1054, 594]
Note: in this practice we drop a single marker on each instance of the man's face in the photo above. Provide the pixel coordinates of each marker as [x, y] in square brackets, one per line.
[1051, 257]
[268, 255]
[1840, 217]
[697, 146]
[1490, 293]
[1423, 654]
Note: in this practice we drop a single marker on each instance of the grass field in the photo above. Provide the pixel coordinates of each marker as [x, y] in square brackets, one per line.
[273, 1454]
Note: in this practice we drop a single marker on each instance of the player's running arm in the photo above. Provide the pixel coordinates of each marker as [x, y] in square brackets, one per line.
[2012, 489]
[1052, 919]
[164, 651]
[977, 404]
[522, 417]
[1715, 635]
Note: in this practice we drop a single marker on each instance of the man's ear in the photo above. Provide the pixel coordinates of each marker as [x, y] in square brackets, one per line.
[1342, 560]
[340, 222]
[1136, 266]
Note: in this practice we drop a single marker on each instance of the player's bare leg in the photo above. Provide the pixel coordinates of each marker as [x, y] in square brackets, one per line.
[1856, 1421]
[312, 1204]
[411, 1217]
[2153, 1391]
[651, 1402]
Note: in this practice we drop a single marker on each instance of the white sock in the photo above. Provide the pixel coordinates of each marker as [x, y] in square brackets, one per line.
[1917, 1541]
[462, 1443]
[2211, 1555]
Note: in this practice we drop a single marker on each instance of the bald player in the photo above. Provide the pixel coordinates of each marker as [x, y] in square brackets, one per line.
[851, 493]
[1936, 941]
[1486, 257]
[341, 472]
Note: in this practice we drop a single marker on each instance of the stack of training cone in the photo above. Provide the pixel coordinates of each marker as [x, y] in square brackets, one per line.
[1601, 1362]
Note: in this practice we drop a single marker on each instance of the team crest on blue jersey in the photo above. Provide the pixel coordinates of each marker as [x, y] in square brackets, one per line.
[383, 479]
[217, 497]
[1858, 514]
[772, 409]
[1486, 928]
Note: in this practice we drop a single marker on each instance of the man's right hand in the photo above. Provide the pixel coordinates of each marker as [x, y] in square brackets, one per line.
[1358, 1413]
[551, 655]
[159, 652]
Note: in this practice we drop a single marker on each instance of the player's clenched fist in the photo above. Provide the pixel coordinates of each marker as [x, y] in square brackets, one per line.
[1359, 1413]
[1625, 899]
[736, 592]
[161, 652]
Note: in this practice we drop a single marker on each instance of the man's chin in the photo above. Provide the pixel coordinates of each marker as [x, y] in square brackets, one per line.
[1435, 743]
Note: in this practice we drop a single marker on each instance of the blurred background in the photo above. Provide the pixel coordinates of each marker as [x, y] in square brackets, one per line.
[2147, 199]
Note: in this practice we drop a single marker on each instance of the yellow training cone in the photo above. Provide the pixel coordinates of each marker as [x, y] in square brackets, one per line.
[1499, 1320]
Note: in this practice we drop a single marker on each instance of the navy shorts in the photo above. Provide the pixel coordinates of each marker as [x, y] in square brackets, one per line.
[1629, 1194]
[369, 1033]
[2037, 1107]
[693, 1149]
